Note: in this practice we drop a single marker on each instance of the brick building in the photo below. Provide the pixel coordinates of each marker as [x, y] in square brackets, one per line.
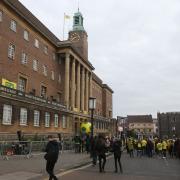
[169, 124]
[46, 82]
[142, 125]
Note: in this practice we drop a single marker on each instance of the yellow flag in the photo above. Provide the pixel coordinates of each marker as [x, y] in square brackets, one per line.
[67, 16]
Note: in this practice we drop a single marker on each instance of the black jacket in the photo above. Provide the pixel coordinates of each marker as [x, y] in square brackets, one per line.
[100, 146]
[52, 151]
[117, 146]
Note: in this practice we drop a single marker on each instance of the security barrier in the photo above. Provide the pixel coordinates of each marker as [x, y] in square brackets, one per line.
[13, 148]
[27, 149]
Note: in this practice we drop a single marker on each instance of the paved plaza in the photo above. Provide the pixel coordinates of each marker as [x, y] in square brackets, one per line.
[134, 168]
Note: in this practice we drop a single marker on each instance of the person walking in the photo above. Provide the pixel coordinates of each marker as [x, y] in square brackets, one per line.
[101, 152]
[51, 156]
[117, 150]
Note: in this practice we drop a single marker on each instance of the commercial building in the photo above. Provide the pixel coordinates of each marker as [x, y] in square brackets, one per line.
[141, 125]
[46, 82]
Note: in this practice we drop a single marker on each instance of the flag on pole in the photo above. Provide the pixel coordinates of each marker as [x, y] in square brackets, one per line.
[67, 16]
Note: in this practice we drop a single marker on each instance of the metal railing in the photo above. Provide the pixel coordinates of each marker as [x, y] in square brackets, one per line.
[27, 149]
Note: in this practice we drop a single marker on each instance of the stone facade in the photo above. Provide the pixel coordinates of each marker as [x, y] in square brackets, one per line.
[169, 124]
[52, 80]
[142, 125]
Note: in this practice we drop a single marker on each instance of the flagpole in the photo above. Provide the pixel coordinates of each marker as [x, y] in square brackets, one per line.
[63, 26]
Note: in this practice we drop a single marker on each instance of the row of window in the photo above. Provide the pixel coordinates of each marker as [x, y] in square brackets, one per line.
[23, 121]
[140, 124]
[13, 27]
[101, 125]
[143, 130]
[35, 66]
[22, 85]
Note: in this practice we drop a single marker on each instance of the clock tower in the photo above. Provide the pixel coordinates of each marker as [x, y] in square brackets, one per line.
[78, 36]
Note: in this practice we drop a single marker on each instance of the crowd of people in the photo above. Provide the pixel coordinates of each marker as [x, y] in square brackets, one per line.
[153, 147]
[98, 146]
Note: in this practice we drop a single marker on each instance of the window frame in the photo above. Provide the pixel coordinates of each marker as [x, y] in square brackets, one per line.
[1, 15]
[13, 25]
[52, 75]
[64, 122]
[23, 116]
[24, 58]
[7, 118]
[11, 51]
[26, 35]
[36, 118]
[56, 120]
[47, 119]
[20, 86]
[35, 65]
[36, 43]
[45, 49]
[44, 70]
[43, 95]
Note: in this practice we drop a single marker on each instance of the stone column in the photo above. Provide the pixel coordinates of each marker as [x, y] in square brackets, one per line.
[82, 89]
[66, 89]
[73, 84]
[78, 86]
[87, 91]
[90, 84]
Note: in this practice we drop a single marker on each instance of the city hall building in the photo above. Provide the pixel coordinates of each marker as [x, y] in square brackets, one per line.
[45, 83]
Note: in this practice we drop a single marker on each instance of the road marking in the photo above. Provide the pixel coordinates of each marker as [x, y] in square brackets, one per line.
[76, 169]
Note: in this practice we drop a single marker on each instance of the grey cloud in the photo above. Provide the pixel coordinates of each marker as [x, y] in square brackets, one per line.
[133, 44]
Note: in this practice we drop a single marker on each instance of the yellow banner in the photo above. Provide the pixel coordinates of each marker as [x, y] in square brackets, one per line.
[9, 84]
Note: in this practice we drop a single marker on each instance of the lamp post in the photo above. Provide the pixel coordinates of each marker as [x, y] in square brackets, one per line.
[92, 106]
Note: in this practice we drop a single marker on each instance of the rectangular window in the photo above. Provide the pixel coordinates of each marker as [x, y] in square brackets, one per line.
[52, 75]
[1, 16]
[54, 56]
[36, 43]
[24, 58]
[56, 120]
[35, 65]
[36, 117]
[26, 35]
[46, 49]
[43, 91]
[11, 51]
[7, 114]
[64, 122]
[23, 116]
[47, 119]
[45, 70]
[13, 25]
[59, 78]
[22, 84]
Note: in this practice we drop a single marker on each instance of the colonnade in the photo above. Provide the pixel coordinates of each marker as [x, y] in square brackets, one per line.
[78, 84]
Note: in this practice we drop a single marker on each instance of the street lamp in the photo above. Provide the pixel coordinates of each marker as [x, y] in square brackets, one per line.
[92, 106]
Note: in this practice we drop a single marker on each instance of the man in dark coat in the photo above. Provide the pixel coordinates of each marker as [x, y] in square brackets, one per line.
[117, 150]
[51, 156]
[101, 152]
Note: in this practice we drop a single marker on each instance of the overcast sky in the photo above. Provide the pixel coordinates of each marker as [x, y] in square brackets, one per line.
[134, 46]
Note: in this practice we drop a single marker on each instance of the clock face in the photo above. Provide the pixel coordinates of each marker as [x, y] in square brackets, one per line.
[74, 37]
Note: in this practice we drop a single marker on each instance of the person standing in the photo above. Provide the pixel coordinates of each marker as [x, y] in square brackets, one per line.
[51, 156]
[164, 148]
[117, 150]
[130, 147]
[101, 152]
